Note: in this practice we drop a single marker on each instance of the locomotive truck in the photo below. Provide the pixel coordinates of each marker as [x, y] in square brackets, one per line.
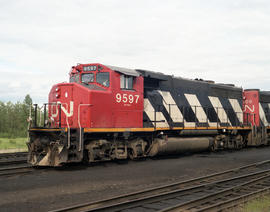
[107, 112]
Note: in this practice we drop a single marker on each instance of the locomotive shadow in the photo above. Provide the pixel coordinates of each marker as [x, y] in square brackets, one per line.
[110, 163]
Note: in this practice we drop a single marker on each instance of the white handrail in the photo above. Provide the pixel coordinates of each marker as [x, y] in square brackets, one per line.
[79, 123]
[68, 146]
[56, 114]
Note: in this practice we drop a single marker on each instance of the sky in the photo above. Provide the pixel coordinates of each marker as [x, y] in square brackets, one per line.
[225, 41]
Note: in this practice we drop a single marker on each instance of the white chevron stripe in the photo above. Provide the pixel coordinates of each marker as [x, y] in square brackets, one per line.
[171, 106]
[262, 116]
[176, 114]
[198, 109]
[219, 109]
[149, 110]
[237, 109]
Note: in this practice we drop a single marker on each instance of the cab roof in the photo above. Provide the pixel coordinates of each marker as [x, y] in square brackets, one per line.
[126, 71]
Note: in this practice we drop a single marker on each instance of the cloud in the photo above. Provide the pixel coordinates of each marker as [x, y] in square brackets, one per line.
[227, 41]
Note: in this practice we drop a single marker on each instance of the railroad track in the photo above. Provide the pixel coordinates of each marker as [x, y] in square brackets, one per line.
[14, 163]
[15, 170]
[13, 158]
[209, 193]
[227, 196]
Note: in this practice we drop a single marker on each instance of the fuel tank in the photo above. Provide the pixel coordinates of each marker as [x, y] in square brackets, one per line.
[176, 145]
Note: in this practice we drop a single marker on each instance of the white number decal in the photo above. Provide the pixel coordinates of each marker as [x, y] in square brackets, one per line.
[127, 98]
[131, 98]
[118, 97]
[137, 98]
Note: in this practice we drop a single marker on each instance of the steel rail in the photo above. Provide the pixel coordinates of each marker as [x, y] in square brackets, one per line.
[13, 154]
[234, 202]
[15, 170]
[233, 193]
[10, 162]
[162, 191]
[13, 158]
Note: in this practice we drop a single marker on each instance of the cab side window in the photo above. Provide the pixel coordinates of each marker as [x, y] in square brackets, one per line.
[74, 78]
[126, 82]
[77, 78]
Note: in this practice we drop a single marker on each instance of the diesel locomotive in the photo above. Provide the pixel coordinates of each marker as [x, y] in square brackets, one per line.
[106, 112]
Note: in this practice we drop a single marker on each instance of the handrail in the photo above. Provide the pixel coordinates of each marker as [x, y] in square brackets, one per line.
[79, 124]
[241, 118]
[40, 113]
[238, 115]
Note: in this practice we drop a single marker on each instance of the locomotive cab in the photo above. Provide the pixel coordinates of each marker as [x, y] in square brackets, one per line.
[256, 113]
[99, 96]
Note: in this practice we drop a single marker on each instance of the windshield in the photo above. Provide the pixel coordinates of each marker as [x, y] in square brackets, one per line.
[103, 78]
[86, 78]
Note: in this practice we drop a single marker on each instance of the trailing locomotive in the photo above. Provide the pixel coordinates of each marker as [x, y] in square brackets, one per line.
[107, 112]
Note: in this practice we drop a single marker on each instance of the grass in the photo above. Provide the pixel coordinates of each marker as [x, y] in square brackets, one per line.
[13, 143]
[261, 204]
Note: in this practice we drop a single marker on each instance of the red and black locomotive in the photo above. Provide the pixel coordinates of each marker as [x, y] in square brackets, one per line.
[107, 112]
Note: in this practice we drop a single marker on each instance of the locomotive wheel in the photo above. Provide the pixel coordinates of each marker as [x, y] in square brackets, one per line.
[131, 154]
[213, 146]
[85, 157]
[239, 142]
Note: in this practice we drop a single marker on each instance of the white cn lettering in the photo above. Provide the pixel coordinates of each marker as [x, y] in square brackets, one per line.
[247, 108]
[65, 110]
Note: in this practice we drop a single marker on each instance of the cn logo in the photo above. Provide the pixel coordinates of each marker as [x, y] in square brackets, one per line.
[249, 109]
[64, 108]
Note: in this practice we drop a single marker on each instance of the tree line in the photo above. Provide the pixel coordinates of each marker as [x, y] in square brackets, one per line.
[13, 118]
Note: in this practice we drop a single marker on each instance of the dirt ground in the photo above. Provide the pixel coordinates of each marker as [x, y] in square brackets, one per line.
[48, 189]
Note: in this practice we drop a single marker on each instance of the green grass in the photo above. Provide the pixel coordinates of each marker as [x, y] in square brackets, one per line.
[261, 204]
[13, 143]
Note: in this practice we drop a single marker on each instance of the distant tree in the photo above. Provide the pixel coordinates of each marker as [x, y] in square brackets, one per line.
[3, 119]
[27, 100]
[27, 103]
[13, 122]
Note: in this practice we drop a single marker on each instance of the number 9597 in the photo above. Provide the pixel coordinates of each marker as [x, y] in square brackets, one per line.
[125, 98]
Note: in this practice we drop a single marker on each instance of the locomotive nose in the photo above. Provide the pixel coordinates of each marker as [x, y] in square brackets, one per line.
[45, 151]
[61, 104]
